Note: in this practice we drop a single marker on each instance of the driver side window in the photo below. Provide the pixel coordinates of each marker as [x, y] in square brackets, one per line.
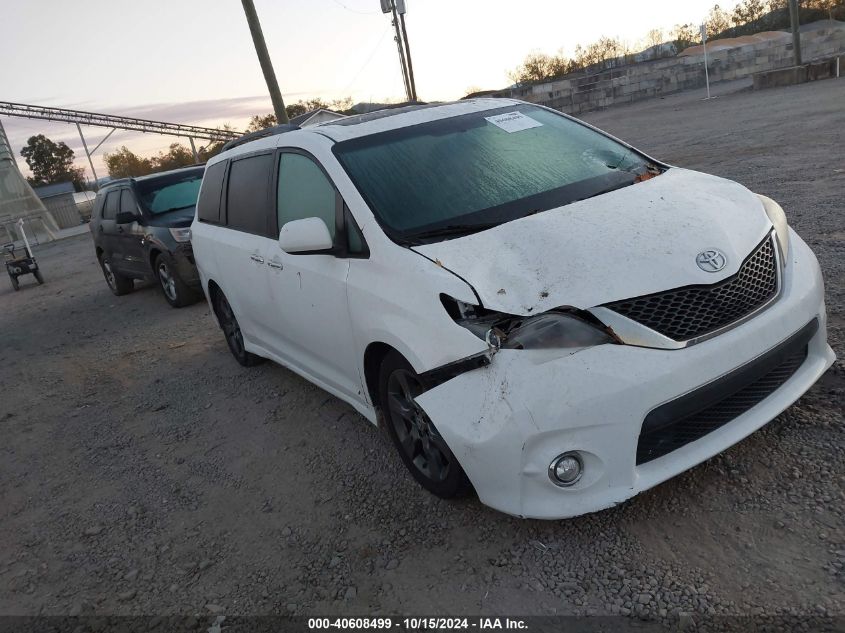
[304, 192]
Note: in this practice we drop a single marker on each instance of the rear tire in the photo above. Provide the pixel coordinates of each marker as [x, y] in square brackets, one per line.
[117, 283]
[38, 277]
[422, 448]
[176, 292]
[15, 283]
[232, 332]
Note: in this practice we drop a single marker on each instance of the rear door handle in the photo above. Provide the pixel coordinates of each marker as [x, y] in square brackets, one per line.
[276, 265]
[257, 258]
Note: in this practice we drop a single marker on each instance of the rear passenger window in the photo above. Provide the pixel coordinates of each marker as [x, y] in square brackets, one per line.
[304, 192]
[248, 199]
[110, 208]
[208, 205]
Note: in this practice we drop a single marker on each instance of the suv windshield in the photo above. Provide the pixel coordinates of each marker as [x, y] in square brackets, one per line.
[169, 192]
[467, 173]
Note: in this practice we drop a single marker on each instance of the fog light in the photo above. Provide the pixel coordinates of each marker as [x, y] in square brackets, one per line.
[566, 469]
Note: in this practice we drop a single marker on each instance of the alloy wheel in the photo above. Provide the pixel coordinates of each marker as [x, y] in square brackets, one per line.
[168, 283]
[417, 435]
[109, 273]
[231, 329]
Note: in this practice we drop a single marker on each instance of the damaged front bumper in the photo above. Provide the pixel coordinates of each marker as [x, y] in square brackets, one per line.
[507, 422]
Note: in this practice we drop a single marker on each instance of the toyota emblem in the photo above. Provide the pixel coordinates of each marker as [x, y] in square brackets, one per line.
[711, 261]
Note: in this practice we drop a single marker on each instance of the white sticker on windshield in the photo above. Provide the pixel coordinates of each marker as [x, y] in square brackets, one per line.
[513, 121]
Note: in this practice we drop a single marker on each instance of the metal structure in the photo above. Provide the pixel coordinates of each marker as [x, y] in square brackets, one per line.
[19, 202]
[115, 122]
[399, 9]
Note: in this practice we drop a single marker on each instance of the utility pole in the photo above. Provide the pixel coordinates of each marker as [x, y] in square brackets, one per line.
[397, 8]
[408, 56]
[264, 60]
[401, 48]
[796, 34]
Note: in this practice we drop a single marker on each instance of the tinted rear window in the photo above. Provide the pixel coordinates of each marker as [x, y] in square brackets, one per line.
[170, 192]
[248, 198]
[208, 206]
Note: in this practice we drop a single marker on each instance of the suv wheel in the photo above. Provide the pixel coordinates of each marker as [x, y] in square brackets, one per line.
[232, 332]
[422, 448]
[118, 284]
[176, 291]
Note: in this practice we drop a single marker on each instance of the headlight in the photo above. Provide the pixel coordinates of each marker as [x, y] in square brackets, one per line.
[778, 218]
[554, 330]
[550, 330]
[181, 235]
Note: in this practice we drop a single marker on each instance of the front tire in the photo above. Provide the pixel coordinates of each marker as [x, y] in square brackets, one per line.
[38, 277]
[117, 283]
[422, 448]
[232, 332]
[177, 293]
[15, 283]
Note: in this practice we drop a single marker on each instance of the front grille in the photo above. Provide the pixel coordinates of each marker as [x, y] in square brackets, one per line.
[696, 414]
[692, 311]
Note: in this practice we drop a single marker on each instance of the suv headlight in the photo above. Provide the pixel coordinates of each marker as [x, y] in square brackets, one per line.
[778, 218]
[549, 330]
[181, 235]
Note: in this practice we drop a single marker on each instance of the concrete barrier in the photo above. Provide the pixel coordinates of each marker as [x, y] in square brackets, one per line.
[578, 93]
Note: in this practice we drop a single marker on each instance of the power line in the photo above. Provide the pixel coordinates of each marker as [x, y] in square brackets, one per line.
[369, 59]
[340, 4]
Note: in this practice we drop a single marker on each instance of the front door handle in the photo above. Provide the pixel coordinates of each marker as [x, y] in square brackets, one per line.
[257, 258]
[276, 265]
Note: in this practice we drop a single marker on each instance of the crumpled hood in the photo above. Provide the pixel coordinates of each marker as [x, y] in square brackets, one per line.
[630, 242]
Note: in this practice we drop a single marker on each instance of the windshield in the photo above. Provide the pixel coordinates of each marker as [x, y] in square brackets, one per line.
[170, 192]
[478, 170]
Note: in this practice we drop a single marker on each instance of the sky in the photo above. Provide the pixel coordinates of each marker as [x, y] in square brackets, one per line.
[192, 61]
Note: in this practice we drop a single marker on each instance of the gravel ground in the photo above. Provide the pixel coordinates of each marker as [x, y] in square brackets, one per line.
[142, 471]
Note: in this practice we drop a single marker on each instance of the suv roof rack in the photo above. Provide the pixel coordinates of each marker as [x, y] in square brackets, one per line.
[254, 136]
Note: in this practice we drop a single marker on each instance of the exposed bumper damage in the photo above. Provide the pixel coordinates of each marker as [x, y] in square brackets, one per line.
[508, 420]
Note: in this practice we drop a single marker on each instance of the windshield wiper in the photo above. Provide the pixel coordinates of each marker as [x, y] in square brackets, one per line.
[452, 230]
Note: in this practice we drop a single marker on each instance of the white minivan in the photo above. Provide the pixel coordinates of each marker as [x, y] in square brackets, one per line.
[533, 308]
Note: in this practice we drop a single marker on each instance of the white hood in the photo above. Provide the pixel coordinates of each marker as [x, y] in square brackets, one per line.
[630, 242]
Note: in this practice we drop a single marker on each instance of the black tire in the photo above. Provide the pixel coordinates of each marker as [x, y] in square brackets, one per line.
[422, 448]
[116, 282]
[38, 277]
[175, 291]
[15, 283]
[232, 332]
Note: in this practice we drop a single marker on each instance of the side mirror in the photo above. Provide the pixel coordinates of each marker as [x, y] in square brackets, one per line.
[310, 235]
[125, 217]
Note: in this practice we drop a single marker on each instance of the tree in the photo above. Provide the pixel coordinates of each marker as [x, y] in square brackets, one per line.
[177, 156]
[717, 21]
[126, 164]
[748, 11]
[541, 67]
[653, 40]
[51, 162]
[260, 122]
[684, 36]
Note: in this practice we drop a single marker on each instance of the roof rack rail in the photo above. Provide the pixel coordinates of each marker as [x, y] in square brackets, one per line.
[254, 136]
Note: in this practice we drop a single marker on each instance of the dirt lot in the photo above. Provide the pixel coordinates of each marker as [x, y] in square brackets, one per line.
[143, 471]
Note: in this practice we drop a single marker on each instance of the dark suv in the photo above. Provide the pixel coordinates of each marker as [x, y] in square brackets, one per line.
[141, 229]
